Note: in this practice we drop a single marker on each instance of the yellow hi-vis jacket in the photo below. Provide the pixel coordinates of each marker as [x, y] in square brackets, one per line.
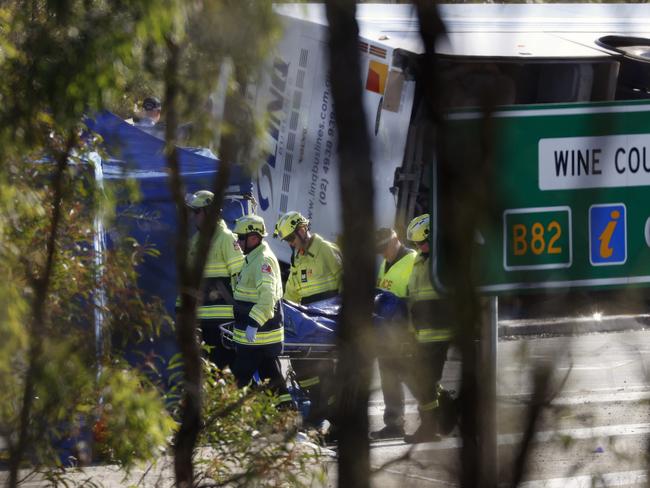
[223, 262]
[316, 273]
[259, 289]
[429, 314]
[396, 278]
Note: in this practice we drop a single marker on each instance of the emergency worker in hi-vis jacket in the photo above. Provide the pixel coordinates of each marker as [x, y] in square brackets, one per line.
[224, 260]
[259, 327]
[430, 318]
[315, 274]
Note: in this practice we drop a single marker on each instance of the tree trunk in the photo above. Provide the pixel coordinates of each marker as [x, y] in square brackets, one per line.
[355, 334]
[188, 432]
[190, 275]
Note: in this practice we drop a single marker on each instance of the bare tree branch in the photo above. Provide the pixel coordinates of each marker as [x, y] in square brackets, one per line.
[355, 335]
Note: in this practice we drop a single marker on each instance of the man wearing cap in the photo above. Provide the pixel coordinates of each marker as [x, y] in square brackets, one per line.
[259, 328]
[224, 261]
[394, 273]
[150, 114]
[315, 274]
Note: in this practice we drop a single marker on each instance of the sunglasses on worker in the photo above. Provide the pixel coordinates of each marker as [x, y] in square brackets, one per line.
[290, 238]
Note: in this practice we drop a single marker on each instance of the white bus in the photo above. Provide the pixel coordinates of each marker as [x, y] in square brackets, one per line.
[541, 53]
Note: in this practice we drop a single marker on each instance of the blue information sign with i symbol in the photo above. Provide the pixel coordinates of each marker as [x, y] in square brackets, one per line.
[607, 234]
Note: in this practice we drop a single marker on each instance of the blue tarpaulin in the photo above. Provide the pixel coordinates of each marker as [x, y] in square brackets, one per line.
[136, 155]
[310, 331]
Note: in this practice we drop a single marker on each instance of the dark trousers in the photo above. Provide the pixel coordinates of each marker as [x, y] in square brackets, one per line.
[395, 348]
[315, 378]
[426, 371]
[263, 359]
[221, 356]
[392, 376]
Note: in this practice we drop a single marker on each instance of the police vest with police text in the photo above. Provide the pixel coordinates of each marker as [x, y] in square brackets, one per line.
[396, 279]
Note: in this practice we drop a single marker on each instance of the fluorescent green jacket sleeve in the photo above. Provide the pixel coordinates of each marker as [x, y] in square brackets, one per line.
[267, 291]
[292, 291]
[228, 250]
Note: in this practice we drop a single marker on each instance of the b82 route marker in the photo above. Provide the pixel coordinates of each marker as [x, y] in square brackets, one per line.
[537, 238]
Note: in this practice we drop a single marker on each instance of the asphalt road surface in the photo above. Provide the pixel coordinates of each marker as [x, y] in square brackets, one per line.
[594, 432]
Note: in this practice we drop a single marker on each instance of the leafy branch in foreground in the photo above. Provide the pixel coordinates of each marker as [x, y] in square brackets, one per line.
[49, 346]
[245, 439]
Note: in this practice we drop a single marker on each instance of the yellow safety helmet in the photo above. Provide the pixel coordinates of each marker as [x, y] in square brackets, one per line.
[200, 199]
[288, 223]
[248, 224]
[418, 229]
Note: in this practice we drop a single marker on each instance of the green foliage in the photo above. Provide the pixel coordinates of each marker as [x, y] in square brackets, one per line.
[134, 424]
[213, 34]
[60, 61]
[65, 58]
[64, 372]
[247, 441]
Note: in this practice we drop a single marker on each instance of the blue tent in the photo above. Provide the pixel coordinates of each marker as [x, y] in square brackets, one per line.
[136, 155]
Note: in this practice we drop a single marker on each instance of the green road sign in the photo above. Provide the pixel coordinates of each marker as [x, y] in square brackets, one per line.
[570, 196]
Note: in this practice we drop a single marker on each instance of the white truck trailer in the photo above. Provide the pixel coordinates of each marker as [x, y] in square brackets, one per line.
[543, 53]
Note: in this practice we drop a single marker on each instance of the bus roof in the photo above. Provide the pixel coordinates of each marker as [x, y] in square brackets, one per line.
[510, 31]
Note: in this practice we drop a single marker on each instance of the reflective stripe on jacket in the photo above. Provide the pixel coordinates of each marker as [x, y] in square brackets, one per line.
[316, 271]
[223, 263]
[396, 279]
[219, 311]
[430, 316]
[260, 284]
[224, 258]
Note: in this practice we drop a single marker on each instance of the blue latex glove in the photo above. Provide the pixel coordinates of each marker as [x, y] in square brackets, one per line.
[251, 332]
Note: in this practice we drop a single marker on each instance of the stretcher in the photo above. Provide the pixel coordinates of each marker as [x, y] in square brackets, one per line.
[310, 330]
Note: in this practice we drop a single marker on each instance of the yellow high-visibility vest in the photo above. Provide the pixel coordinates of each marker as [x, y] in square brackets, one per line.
[396, 279]
[424, 305]
[223, 263]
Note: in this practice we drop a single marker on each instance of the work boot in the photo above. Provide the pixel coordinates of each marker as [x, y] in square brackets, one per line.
[387, 432]
[447, 412]
[426, 432]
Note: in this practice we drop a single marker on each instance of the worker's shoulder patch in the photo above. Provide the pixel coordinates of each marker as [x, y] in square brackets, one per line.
[266, 268]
